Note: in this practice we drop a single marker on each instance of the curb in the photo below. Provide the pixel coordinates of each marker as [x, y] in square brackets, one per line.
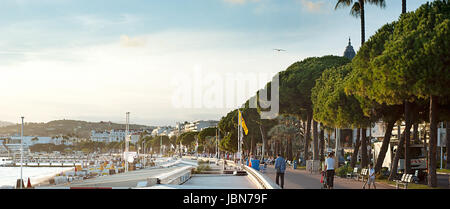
[441, 173]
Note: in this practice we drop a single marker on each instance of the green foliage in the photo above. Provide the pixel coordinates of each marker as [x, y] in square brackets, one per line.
[332, 106]
[203, 134]
[200, 161]
[361, 81]
[297, 81]
[417, 55]
[356, 5]
[48, 147]
[173, 140]
[228, 126]
[201, 168]
[229, 142]
[383, 174]
[188, 138]
[343, 170]
[66, 128]
[165, 140]
[407, 59]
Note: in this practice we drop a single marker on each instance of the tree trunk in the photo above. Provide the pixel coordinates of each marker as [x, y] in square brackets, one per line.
[356, 149]
[416, 131]
[364, 158]
[407, 131]
[251, 145]
[363, 32]
[432, 178]
[315, 141]
[280, 149]
[290, 157]
[425, 145]
[403, 6]
[322, 143]
[275, 150]
[369, 143]
[385, 145]
[394, 165]
[308, 135]
[263, 141]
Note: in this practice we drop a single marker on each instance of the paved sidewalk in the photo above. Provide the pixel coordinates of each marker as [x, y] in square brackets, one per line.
[301, 179]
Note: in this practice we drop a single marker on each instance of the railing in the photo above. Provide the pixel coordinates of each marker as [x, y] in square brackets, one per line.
[263, 181]
[176, 177]
[260, 179]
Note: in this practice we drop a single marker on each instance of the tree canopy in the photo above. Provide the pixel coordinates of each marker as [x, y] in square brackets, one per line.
[332, 106]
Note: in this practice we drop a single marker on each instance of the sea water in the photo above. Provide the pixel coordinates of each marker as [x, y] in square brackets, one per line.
[9, 175]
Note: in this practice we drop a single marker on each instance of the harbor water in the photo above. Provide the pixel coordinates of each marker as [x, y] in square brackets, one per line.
[9, 175]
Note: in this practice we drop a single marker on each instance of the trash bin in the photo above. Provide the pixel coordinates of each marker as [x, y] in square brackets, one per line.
[255, 164]
[295, 164]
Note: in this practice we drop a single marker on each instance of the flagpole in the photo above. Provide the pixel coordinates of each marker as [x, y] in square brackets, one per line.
[239, 138]
[240, 143]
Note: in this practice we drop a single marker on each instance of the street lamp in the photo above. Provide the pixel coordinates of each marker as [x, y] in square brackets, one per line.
[21, 155]
[126, 141]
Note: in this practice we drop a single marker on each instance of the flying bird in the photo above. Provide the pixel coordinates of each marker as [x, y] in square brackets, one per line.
[279, 50]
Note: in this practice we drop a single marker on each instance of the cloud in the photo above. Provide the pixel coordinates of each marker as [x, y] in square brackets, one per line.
[96, 21]
[107, 79]
[126, 41]
[317, 6]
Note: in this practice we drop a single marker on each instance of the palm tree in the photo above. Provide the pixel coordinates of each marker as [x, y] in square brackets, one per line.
[285, 131]
[357, 10]
[403, 6]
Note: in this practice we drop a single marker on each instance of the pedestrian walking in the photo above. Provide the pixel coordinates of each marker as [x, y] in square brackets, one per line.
[329, 169]
[371, 178]
[264, 167]
[280, 166]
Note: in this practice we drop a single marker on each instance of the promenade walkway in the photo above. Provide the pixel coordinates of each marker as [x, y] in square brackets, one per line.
[302, 179]
[217, 180]
[129, 179]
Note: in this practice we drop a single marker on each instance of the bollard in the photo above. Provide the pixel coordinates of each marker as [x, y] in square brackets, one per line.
[18, 184]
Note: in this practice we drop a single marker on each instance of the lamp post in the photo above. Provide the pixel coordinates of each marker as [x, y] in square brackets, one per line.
[126, 141]
[21, 155]
[143, 153]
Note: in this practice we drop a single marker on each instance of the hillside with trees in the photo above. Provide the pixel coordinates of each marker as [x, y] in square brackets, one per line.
[71, 128]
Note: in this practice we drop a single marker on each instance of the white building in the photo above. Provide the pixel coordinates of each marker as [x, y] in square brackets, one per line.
[113, 136]
[200, 125]
[100, 136]
[162, 131]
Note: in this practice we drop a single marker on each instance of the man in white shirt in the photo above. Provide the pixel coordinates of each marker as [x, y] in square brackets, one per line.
[371, 178]
[329, 169]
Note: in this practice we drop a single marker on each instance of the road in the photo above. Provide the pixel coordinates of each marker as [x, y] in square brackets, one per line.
[301, 179]
[443, 180]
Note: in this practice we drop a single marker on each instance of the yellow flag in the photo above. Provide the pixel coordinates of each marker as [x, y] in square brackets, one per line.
[243, 123]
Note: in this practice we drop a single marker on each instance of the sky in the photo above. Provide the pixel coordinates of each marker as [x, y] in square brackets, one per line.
[95, 60]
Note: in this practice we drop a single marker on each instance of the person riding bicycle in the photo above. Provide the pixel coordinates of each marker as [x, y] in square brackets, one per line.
[329, 169]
